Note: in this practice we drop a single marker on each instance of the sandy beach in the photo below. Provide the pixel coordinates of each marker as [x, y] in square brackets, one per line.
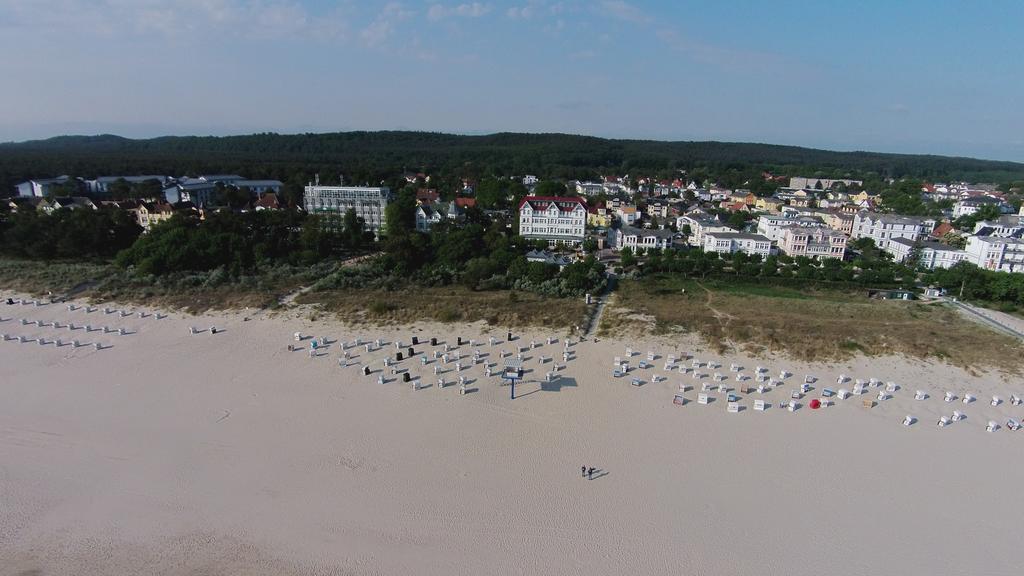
[167, 453]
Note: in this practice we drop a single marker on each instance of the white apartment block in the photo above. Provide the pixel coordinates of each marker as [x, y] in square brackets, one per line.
[640, 239]
[813, 242]
[999, 254]
[699, 227]
[941, 256]
[332, 202]
[729, 242]
[773, 226]
[554, 219]
[825, 183]
[883, 228]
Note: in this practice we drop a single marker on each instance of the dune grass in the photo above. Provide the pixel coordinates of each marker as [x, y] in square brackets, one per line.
[812, 325]
[449, 304]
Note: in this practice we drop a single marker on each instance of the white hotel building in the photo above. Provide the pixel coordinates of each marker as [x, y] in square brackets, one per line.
[555, 219]
[332, 202]
[883, 228]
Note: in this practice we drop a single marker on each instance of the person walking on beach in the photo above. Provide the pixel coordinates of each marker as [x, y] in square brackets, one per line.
[590, 473]
[583, 471]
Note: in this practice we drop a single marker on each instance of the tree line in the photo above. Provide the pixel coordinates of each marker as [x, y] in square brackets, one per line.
[375, 157]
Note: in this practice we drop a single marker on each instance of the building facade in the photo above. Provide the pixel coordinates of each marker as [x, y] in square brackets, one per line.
[773, 227]
[552, 218]
[813, 242]
[999, 254]
[884, 228]
[729, 242]
[332, 202]
[641, 239]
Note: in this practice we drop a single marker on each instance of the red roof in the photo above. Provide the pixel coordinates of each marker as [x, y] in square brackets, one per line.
[564, 203]
[465, 202]
[427, 195]
[942, 229]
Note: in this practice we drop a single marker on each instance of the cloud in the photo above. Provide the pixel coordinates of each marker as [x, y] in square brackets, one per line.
[383, 26]
[169, 18]
[520, 12]
[468, 10]
[622, 10]
[720, 56]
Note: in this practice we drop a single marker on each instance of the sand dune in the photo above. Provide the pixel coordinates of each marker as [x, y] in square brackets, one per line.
[169, 453]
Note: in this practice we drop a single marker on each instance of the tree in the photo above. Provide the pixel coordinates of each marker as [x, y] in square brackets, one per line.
[353, 229]
[626, 257]
[550, 188]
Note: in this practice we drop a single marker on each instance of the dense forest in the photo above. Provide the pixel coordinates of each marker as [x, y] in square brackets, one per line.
[365, 157]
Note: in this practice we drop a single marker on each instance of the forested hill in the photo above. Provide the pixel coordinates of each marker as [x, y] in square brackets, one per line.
[372, 156]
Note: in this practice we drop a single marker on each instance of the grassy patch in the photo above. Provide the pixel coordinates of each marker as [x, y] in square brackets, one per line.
[192, 292]
[814, 325]
[449, 304]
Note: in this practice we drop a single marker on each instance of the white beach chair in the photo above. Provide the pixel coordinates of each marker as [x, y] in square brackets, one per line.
[957, 416]
[791, 406]
[968, 398]
[705, 387]
[858, 389]
[1015, 400]
[891, 387]
[949, 397]
[1012, 424]
[920, 395]
[992, 426]
[702, 398]
[996, 401]
[761, 388]
[882, 396]
[722, 388]
[908, 420]
[733, 407]
[804, 388]
[943, 421]
[760, 405]
[796, 395]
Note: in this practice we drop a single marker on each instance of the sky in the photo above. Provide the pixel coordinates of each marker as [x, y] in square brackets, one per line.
[918, 76]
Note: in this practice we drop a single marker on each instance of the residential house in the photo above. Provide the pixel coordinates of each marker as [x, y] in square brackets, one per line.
[627, 214]
[816, 242]
[1006, 226]
[150, 214]
[427, 196]
[969, 206]
[730, 242]
[555, 219]
[840, 221]
[429, 214]
[599, 217]
[49, 205]
[1000, 254]
[700, 225]
[769, 204]
[268, 201]
[900, 248]
[935, 255]
[657, 209]
[642, 239]
[883, 228]
[772, 227]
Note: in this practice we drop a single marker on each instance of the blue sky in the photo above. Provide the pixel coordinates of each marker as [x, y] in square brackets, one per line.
[910, 76]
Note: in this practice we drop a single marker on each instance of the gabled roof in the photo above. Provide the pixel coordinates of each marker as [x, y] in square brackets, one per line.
[564, 203]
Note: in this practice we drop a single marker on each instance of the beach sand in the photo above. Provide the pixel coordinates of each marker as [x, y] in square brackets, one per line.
[169, 453]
